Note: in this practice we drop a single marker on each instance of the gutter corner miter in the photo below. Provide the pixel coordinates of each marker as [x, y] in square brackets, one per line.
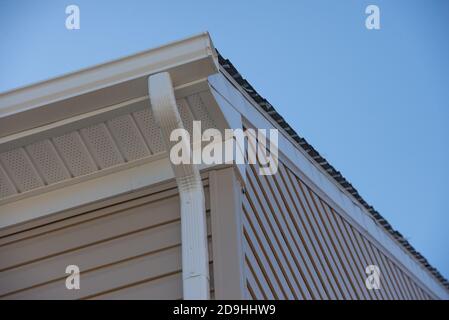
[195, 260]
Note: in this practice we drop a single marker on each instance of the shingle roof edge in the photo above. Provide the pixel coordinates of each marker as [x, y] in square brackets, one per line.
[334, 173]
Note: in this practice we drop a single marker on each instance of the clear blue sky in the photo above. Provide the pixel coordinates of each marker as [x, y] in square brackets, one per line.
[374, 103]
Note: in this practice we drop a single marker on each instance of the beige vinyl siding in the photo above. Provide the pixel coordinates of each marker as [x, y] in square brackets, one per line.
[130, 249]
[298, 247]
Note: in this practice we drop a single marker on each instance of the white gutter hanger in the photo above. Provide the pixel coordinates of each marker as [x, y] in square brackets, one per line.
[195, 261]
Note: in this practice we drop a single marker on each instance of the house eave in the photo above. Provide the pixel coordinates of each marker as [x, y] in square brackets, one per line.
[109, 83]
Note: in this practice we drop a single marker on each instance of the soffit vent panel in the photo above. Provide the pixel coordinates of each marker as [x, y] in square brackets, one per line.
[101, 145]
[186, 116]
[6, 186]
[128, 137]
[83, 152]
[47, 161]
[200, 112]
[21, 170]
[150, 131]
[75, 154]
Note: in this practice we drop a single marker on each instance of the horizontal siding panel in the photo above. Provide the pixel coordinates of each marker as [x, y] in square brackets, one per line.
[76, 236]
[128, 250]
[119, 249]
[153, 265]
[167, 287]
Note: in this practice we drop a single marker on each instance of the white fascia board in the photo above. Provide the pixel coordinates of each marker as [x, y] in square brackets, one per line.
[302, 165]
[233, 120]
[85, 192]
[187, 60]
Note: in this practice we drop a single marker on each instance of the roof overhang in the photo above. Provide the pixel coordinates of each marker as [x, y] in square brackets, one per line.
[187, 61]
[32, 117]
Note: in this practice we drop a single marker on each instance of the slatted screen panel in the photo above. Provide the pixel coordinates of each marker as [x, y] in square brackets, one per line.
[128, 250]
[299, 247]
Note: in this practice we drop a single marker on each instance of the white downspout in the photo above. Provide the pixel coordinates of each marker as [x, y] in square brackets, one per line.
[195, 261]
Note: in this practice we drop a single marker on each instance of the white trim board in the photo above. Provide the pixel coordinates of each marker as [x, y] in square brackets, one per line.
[144, 173]
[85, 192]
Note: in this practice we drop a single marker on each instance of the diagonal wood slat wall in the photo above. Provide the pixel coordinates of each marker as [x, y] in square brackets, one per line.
[298, 247]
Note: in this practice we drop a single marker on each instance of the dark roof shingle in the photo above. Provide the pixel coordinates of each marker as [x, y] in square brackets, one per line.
[335, 174]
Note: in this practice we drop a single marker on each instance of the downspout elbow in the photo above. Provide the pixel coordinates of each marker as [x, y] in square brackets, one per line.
[195, 260]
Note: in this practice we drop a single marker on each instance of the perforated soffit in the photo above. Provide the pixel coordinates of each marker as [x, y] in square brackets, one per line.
[83, 152]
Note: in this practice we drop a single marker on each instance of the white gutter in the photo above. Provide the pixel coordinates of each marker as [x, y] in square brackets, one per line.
[104, 85]
[195, 261]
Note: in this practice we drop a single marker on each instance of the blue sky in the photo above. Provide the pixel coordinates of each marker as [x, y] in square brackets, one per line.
[374, 103]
